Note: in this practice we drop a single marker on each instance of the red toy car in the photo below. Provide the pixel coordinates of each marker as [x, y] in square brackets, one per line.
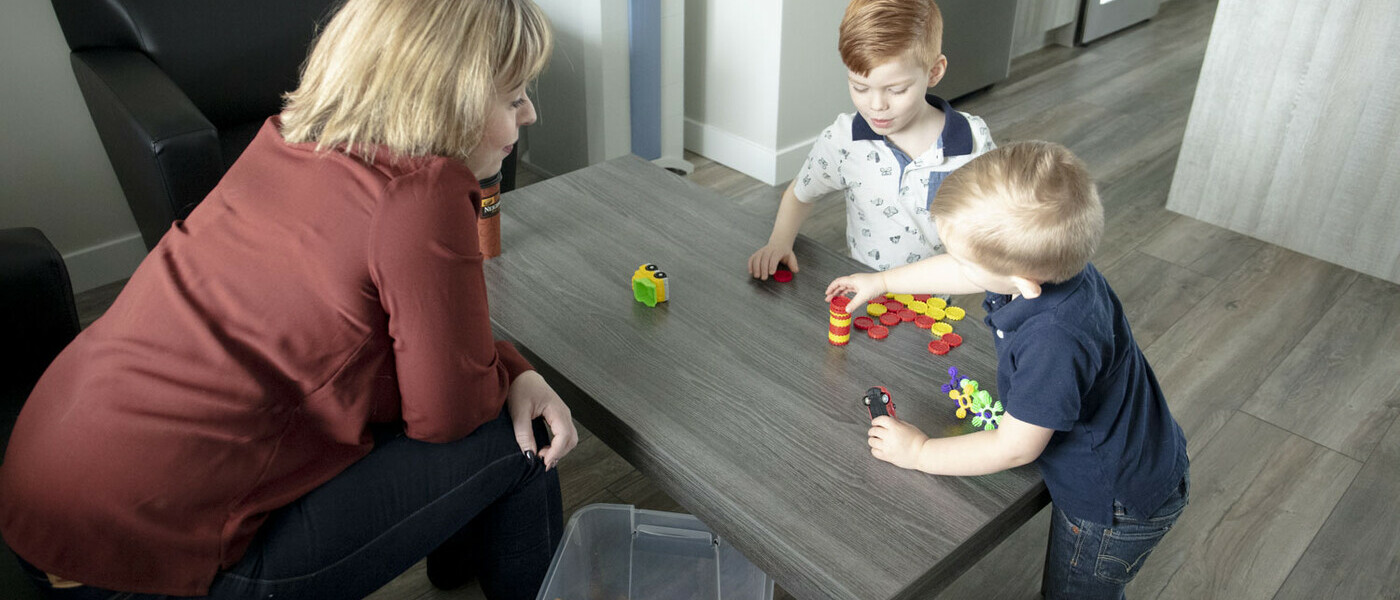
[879, 402]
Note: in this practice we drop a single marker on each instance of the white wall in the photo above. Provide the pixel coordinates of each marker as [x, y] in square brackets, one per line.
[763, 79]
[583, 96]
[812, 86]
[731, 82]
[54, 174]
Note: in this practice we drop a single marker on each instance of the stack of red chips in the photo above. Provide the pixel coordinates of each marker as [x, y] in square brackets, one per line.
[839, 333]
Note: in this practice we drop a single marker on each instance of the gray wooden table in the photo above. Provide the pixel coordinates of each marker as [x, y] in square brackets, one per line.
[729, 396]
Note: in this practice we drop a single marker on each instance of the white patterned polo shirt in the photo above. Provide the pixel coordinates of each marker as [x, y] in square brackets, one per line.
[887, 193]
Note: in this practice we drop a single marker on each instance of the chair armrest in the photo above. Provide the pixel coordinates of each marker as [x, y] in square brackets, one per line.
[37, 315]
[164, 151]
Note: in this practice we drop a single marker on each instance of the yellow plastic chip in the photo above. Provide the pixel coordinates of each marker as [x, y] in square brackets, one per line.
[955, 313]
[875, 310]
[935, 312]
[937, 302]
[904, 299]
[918, 307]
[939, 329]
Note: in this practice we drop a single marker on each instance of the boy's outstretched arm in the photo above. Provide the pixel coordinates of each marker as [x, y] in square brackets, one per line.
[1012, 444]
[935, 275]
[791, 214]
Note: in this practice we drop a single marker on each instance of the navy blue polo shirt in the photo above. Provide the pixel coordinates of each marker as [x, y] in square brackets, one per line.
[1067, 361]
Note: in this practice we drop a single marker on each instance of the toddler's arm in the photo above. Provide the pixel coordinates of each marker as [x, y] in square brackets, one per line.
[791, 213]
[936, 275]
[1012, 444]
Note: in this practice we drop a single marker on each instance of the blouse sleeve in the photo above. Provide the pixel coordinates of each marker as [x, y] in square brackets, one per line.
[426, 262]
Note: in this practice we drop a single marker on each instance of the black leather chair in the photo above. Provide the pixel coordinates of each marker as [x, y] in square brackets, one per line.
[37, 319]
[178, 88]
[37, 316]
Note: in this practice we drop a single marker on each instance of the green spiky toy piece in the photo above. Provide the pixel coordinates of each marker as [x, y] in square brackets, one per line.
[986, 413]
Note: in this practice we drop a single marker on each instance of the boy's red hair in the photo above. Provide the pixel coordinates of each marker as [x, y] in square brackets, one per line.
[874, 32]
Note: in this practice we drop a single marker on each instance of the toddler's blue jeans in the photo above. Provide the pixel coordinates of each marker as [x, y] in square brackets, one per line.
[1090, 561]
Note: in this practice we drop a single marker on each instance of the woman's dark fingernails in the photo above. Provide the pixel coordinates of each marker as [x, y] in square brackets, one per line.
[530, 455]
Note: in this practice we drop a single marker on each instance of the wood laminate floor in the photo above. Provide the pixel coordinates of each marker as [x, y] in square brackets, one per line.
[1283, 370]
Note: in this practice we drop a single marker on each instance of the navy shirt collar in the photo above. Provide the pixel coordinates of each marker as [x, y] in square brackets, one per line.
[1006, 315]
[957, 132]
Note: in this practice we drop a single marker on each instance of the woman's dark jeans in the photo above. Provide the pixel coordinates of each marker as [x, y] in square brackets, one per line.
[356, 532]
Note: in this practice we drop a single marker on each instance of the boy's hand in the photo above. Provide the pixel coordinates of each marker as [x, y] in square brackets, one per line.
[896, 442]
[862, 286]
[765, 261]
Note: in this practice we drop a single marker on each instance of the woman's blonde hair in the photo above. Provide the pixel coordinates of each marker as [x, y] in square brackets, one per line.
[1028, 209]
[416, 76]
[874, 32]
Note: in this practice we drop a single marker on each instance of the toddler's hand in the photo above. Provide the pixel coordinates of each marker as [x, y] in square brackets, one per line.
[896, 442]
[863, 287]
[765, 261]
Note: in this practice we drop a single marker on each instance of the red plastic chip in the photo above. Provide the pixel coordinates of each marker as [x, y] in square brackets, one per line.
[838, 304]
[894, 305]
[938, 347]
[922, 297]
[839, 330]
[924, 321]
[878, 332]
[782, 275]
[952, 339]
[863, 323]
[889, 318]
[907, 315]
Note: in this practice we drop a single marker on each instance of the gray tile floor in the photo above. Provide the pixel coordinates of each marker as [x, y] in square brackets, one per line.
[1283, 370]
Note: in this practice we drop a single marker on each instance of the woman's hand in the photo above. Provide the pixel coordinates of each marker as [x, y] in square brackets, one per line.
[864, 286]
[896, 442]
[764, 261]
[530, 397]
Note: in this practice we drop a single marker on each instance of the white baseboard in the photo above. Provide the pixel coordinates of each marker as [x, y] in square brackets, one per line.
[764, 164]
[101, 264]
[731, 151]
[790, 159]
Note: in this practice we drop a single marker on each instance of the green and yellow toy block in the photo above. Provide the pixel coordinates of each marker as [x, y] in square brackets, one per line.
[650, 285]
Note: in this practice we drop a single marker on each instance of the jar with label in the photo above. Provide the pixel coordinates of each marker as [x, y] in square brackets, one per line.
[489, 223]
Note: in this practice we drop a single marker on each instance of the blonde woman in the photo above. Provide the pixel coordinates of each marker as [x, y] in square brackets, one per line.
[297, 395]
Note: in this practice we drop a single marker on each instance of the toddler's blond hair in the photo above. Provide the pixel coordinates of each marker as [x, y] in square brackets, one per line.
[1028, 209]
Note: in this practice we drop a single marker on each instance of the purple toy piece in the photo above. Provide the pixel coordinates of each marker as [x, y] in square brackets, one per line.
[953, 384]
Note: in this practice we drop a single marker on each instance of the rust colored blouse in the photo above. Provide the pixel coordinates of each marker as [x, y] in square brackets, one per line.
[308, 295]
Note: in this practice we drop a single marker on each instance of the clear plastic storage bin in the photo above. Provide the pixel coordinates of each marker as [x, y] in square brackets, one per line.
[616, 552]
